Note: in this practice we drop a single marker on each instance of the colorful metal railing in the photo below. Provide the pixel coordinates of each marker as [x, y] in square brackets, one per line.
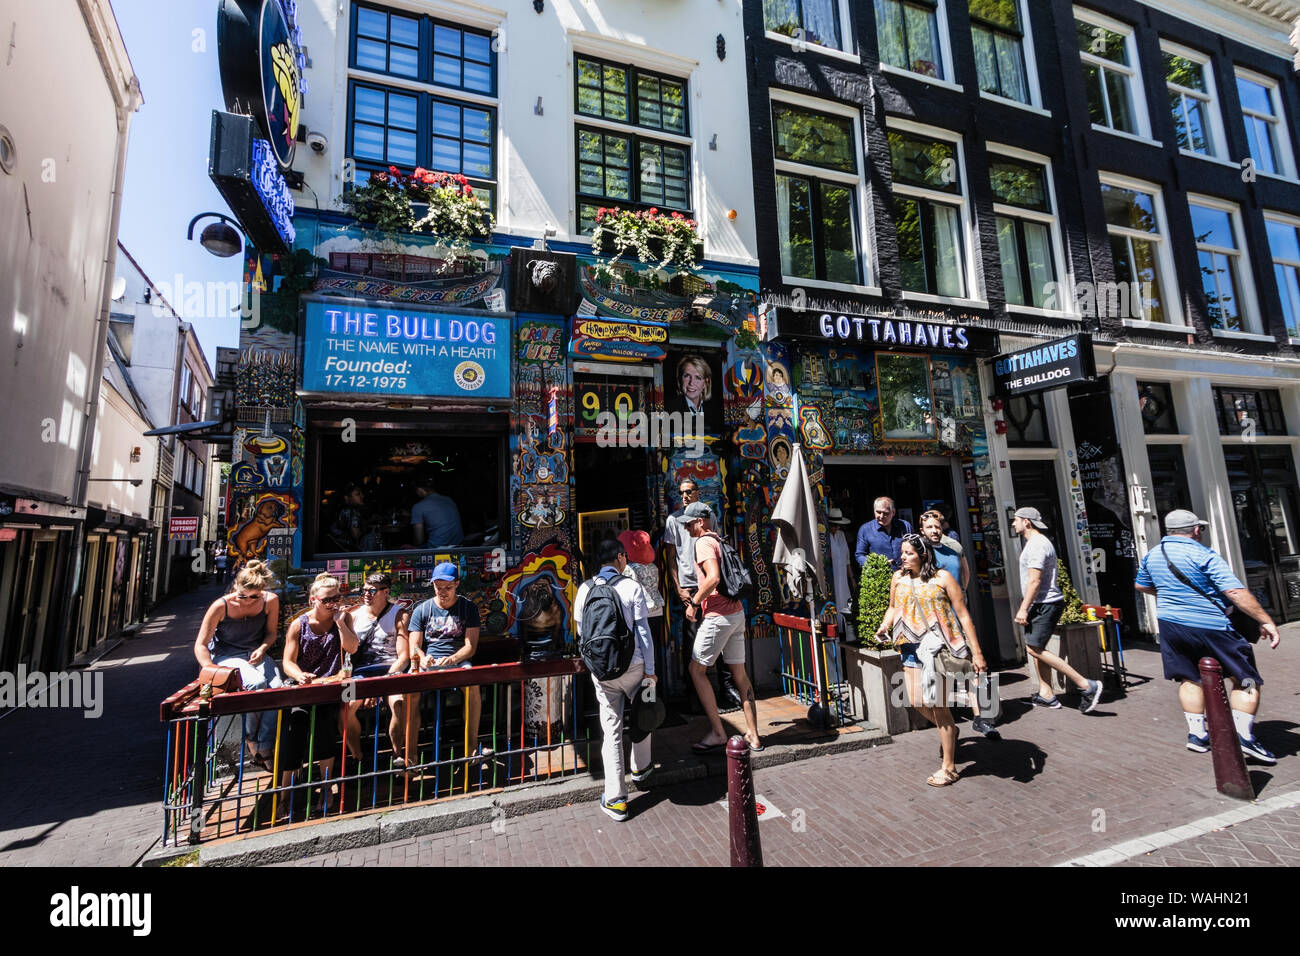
[812, 669]
[538, 721]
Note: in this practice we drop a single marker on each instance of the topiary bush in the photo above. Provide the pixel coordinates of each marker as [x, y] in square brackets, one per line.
[1073, 606]
[873, 599]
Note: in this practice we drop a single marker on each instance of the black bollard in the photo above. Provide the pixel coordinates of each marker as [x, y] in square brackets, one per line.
[742, 807]
[1230, 776]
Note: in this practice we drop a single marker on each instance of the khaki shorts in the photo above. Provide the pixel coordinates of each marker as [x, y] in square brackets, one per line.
[721, 636]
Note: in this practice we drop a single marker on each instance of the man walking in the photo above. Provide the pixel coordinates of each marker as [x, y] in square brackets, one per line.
[721, 632]
[1041, 610]
[612, 694]
[1195, 590]
[883, 534]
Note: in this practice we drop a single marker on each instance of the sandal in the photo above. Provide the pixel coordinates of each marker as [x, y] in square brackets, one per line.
[942, 778]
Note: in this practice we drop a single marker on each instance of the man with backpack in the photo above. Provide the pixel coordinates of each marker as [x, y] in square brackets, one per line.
[610, 611]
[1196, 591]
[721, 630]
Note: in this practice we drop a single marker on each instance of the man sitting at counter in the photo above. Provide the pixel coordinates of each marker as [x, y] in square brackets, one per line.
[435, 519]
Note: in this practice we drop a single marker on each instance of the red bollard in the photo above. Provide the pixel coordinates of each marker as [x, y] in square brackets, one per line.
[742, 807]
[1230, 776]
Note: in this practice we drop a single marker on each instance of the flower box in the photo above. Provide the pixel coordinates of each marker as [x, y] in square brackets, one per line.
[606, 245]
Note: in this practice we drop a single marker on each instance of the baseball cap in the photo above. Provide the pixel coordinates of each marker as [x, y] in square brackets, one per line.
[697, 509]
[1033, 516]
[637, 546]
[1183, 520]
[446, 572]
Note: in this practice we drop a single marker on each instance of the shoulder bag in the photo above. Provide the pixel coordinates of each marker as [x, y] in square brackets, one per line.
[1238, 620]
[214, 680]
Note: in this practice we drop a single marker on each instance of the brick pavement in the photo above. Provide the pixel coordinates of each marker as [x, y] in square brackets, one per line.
[1272, 840]
[1059, 785]
[88, 792]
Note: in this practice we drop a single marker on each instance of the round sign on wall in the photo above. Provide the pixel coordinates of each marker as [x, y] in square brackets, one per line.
[261, 72]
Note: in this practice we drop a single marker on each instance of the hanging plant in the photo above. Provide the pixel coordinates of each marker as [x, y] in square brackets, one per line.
[435, 203]
[671, 242]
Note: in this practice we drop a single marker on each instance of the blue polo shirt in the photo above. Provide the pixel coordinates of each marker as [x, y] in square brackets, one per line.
[873, 539]
[1175, 601]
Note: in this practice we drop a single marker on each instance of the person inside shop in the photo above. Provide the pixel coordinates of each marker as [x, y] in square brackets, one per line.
[349, 524]
[383, 647]
[435, 519]
[883, 534]
[841, 570]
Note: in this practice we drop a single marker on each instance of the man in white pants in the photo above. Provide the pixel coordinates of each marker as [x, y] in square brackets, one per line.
[613, 694]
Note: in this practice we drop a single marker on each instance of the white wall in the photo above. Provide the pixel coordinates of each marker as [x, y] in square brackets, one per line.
[118, 429]
[535, 153]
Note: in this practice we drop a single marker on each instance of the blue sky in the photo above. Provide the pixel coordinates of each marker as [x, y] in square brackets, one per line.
[167, 159]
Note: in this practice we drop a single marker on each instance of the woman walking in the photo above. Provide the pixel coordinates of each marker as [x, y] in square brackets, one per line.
[927, 614]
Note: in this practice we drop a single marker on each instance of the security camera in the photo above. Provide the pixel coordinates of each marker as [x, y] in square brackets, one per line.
[317, 142]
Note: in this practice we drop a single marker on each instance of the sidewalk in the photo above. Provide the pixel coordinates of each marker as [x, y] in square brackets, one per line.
[88, 792]
[1058, 786]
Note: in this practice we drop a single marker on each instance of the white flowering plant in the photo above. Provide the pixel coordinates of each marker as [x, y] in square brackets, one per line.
[455, 212]
[671, 242]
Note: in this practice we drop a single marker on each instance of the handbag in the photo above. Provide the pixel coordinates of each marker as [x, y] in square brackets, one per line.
[214, 680]
[949, 665]
[1238, 620]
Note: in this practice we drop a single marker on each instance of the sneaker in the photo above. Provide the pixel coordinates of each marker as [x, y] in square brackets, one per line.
[985, 726]
[1088, 699]
[641, 776]
[1038, 700]
[1197, 744]
[1252, 748]
[616, 810]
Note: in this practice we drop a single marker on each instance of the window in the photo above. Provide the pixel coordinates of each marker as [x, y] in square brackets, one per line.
[1025, 227]
[630, 169]
[998, 31]
[1223, 276]
[817, 184]
[1026, 417]
[1241, 409]
[1135, 225]
[908, 35]
[928, 209]
[422, 49]
[813, 21]
[1284, 244]
[1156, 402]
[1190, 81]
[183, 396]
[1110, 73]
[385, 125]
[1261, 108]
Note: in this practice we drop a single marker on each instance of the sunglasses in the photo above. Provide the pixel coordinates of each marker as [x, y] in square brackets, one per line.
[689, 491]
[250, 596]
[334, 599]
[369, 590]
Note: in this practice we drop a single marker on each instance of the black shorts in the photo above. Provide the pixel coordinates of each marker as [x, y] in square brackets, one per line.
[1043, 619]
[1181, 647]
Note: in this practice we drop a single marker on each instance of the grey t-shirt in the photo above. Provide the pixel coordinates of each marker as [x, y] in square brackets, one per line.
[675, 533]
[1039, 553]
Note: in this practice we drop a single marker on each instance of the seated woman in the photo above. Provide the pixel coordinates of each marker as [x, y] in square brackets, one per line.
[314, 644]
[239, 630]
[383, 649]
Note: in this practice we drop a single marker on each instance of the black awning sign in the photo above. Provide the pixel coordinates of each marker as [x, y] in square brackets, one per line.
[1050, 365]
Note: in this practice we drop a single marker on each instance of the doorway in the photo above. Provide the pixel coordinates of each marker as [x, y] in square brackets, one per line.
[1262, 480]
[606, 479]
[853, 488]
[1034, 486]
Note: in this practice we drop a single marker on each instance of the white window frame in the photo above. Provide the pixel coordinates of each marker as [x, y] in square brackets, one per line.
[1239, 267]
[1051, 219]
[1285, 158]
[1293, 222]
[1133, 71]
[1210, 97]
[858, 180]
[1164, 255]
[1031, 67]
[974, 297]
[945, 51]
[849, 49]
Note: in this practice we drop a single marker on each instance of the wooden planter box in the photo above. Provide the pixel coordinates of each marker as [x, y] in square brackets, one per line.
[1079, 645]
[606, 248]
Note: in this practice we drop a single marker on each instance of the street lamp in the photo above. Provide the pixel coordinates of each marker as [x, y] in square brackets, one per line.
[133, 482]
[223, 238]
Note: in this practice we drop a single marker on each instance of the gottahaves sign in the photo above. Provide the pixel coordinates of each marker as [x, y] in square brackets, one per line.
[890, 332]
[379, 348]
[1051, 365]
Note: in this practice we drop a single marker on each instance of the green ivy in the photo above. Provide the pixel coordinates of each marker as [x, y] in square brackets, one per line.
[873, 599]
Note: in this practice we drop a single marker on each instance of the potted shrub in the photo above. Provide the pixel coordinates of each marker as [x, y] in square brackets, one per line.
[671, 242]
[873, 668]
[1076, 640]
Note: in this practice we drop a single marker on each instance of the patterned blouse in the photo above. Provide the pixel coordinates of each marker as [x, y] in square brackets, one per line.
[320, 654]
[647, 575]
[922, 606]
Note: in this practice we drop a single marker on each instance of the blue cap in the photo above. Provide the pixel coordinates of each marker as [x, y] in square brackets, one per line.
[446, 572]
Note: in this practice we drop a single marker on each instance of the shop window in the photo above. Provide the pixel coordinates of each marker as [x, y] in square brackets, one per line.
[367, 489]
[1156, 402]
[1245, 412]
[1026, 417]
[1284, 245]
[1025, 227]
[1190, 82]
[1224, 277]
[1135, 225]
[1266, 132]
[928, 213]
[998, 32]
[1109, 56]
[817, 185]
[422, 49]
[908, 36]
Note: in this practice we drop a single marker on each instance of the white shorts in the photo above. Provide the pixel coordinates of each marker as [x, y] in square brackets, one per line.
[721, 635]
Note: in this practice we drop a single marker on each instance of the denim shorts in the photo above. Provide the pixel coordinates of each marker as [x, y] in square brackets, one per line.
[908, 654]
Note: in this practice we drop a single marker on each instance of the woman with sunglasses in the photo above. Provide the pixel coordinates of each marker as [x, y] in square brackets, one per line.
[383, 648]
[239, 630]
[926, 613]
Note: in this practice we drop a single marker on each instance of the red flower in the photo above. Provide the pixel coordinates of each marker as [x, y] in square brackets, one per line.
[654, 211]
[469, 190]
[394, 170]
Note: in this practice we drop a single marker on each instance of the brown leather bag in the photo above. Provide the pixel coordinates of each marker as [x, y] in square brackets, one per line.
[215, 680]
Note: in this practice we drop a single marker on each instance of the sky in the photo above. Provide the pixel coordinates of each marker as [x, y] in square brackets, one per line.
[173, 49]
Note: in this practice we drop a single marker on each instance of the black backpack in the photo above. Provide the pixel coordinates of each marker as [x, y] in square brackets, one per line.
[734, 582]
[606, 642]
